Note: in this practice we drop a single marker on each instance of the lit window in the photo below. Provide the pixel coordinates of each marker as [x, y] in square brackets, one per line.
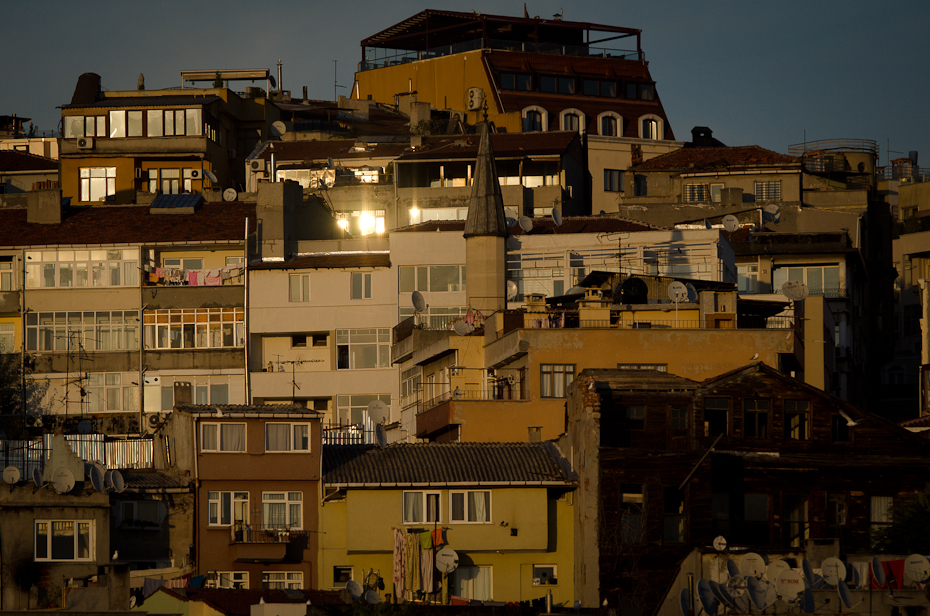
[222, 437]
[282, 510]
[82, 331]
[470, 507]
[103, 267]
[299, 288]
[555, 379]
[194, 328]
[97, 183]
[421, 507]
[64, 540]
[287, 437]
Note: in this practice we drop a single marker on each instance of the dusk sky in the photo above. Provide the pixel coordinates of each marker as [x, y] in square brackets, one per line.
[755, 72]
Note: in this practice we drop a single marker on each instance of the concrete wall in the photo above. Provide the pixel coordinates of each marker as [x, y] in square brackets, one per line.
[617, 153]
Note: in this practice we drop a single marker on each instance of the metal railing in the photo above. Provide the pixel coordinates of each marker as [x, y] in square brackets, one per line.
[619, 320]
[362, 433]
[405, 328]
[500, 393]
[834, 145]
[241, 532]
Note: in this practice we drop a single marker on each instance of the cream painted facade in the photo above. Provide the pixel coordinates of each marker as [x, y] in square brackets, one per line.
[608, 160]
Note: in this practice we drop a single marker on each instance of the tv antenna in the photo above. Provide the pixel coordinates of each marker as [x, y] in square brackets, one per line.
[677, 292]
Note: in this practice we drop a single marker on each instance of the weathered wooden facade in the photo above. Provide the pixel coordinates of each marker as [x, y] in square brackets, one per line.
[772, 464]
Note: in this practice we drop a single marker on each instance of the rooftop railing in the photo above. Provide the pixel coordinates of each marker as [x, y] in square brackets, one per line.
[502, 392]
[834, 145]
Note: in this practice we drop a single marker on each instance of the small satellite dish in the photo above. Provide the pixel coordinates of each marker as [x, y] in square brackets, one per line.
[512, 290]
[730, 223]
[807, 601]
[736, 585]
[720, 542]
[677, 292]
[775, 568]
[752, 564]
[557, 217]
[133, 600]
[62, 480]
[789, 584]
[878, 572]
[96, 479]
[808, 570]
[772, 212]
[845, 597]
[11, 475]
[447, 560]
[684, 600]
[721, 593]
[526, 223]
[230, 194]
[833, 570]
[692, 292]
[278, 128]
[37, 478]
[84, 427]
[732, 568]
[511, 222]
[119, 484]
[378, 411]
[210, 176]
[795, 290]
[462, 328]
[419, 304]
[355, 589]
[916, 566]
[706, 596]
[756, 595]
[372, 597]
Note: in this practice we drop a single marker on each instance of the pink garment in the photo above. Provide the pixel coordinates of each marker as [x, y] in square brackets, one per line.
[192, 278]
[213, 278]
[399, 560]
[159, 272]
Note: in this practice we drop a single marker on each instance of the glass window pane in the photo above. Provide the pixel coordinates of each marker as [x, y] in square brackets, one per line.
[134, 124]
[155, 128]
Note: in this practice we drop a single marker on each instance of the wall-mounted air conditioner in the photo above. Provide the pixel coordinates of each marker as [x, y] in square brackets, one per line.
[195, 174]
[85, 143]
[257, 164]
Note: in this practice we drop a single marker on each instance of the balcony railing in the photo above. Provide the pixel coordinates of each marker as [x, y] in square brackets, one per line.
[405, 328]
[503, 392]
[362, 433]
[381, 58]
[834, 145]
[241, 532]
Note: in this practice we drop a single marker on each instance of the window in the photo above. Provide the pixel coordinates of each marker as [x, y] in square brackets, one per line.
[768, 191]
[7, 338]
[839, 429]
[287, 437]
[756, 418]
[545, 575]
[570, 121]
[715, 192]
[361, 285]
[118, 123]
[185, 263]
[140, 514]
[697, 193]
[673, 520]
[566, 85]
[516, 81]
[747, 277]
[6, 274]
[608, 126]
[795, 519]
[473, 582]
[282, 510]
[232, 579]
[358, 349]
[227, 508]
[222, 437]
[299, 288]
[342, 576]
[649, 129]
[880, 515]
[431, 279]
[64, 540]
[613, 180]
[656, 367]
[836, 509]
[194, 328]
[679, 418]
[591, 87]
[636, 416]
[97, 183]
[535, 119]
[85, 331]
[647, 92]
[639, 186]
[820, 279]
[631, 513]
[108, 392]
[555, 379]
[74, 127]
[95, 126]
[361, 222]
[716, 416]
[421, 507]
[548, 83]
[631, 91]
[103, 267]
[471, 507]
[797, 420]
[282, 580]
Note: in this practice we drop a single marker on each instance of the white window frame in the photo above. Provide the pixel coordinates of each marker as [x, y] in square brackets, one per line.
[382, 343]
[544, 124]
[618, 120]
[7, 337]
[298, 288]
[348, 568]
[7, 276]
[582, 119]
[97, 182]
[229, 579]
[424, 517]
[283, 579]
[696, 192]
[364, 279]
[68, 331]
[471, 590]
[101, 267]
[91, 540]
[291, 498]
[293, 445]
[550, 374]
[161, 331]
[453, 519]
[219, 437]
[660, 126]
[215, 507]
[537, 579]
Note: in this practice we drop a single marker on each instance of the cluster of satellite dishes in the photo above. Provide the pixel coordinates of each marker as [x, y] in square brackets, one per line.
[526, 223]
[754, 583]
[680, 292]
[361, 594]
[62, 479]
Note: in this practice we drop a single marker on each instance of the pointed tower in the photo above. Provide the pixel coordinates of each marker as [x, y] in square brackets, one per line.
[485, 233]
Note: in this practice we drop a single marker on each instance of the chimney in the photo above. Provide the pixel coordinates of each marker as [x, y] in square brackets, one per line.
[535, 434]
[44, 207]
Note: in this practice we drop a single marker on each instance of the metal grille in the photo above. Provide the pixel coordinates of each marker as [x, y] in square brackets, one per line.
[768, 191]
[697, 193]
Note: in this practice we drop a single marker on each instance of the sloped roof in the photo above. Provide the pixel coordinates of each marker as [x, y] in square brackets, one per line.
[214, 222]
[443, 463]
[14, 160]
[505, 145]
[146, 479]
[640, 380]
[239, 602]
[704, 159]
[329, 260]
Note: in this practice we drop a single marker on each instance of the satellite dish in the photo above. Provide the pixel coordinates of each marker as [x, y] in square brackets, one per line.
[721, 593]
[677, 292]
[355, 589]
[817, 583]
[736, 585]
[807, 601]
[84, 427]
[852, 576]
[96, 479]
[119, 484]
[511, 222]
[732, 568]
[833, 570]
[692, 292]
[37, 478]
[380, 435]
[789, 584]
[447, 560]
[775, 568]
[772, 212]
[210, 176]
[752, 564]
[278, 128]
[378, 411]
[808, 570]
[512, 289]
[462, 328]
[720, 542]
[372, 597]
[756, 595]
[526, 223]
[795, 290]
[419, 304]
[706, 596]
[557, 217]
[878, 572]
[730, 223]
[230, 194]
[684, 600]
[845, 597]
[133, 600]
[11, 475]
[916, 566]
[707, 224]
[62, 480]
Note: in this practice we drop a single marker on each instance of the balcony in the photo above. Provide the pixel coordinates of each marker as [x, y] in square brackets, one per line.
[254, 543]
[439, 414]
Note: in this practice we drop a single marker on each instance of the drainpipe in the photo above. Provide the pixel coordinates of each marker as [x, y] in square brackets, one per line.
[22, 318]
[245, 346]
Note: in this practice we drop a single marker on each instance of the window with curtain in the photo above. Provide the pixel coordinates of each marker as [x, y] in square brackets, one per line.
[64, 540]
[226, 508]
[287, 437]
[473, 583]
[299, 288]
[421, 507]
[471, 506]
[282, 509]
[222, 437]
[283, 579]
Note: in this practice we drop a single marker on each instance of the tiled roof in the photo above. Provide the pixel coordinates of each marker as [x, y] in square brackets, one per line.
[144, 479]
[147, 101]
[703, 159]
[246, 409]
[505, 145]
[545, 226]
[239, 602]
[640, 380]
[443, 463]
[13, 160]
[224, 221]
[329, 260]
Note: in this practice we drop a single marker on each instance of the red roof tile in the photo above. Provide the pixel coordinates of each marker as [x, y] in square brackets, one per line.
[13, 160]
[698, 159]
[129, 225]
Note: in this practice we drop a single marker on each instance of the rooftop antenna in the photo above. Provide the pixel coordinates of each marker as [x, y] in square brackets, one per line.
[677, 292]
[336, 85]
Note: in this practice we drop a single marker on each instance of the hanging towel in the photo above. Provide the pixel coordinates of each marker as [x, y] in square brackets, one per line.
[192, 278]
[398, 572]
[438, 538]
[150, 585]
[225, 274]
[159, 272]
[426, 569]
[213, 278]
[412, 567]
[153, 277]
[426, 541]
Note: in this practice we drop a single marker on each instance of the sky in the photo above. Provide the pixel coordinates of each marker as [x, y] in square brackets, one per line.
[766, 72]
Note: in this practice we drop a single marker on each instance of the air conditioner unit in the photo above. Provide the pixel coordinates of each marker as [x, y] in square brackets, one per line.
[85, 143]
[257, 164]
[195, 174]
[154, 422]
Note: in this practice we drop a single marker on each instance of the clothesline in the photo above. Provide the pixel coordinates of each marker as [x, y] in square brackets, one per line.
[204, 277]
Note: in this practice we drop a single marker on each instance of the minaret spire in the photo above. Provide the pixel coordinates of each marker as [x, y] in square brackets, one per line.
[486, 207]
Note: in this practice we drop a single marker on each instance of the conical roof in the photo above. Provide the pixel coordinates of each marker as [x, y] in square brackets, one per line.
[486, 207]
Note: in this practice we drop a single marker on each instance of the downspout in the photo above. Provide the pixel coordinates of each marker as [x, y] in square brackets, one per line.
[142, 343]
[22, 325]
[248, 375]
